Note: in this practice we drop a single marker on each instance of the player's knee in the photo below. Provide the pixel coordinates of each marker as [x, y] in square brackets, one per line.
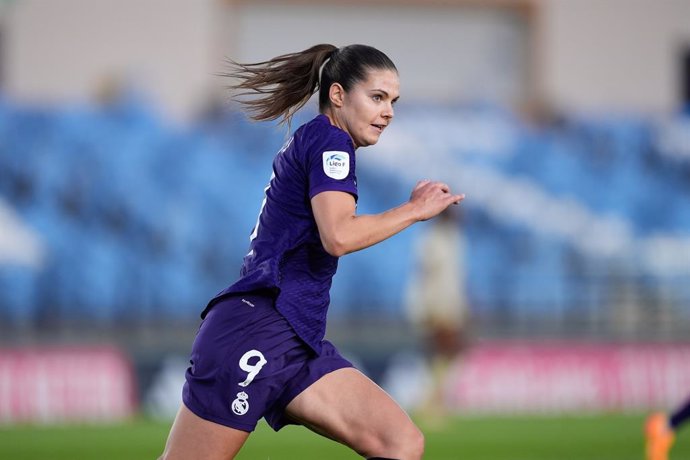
[415, 444]
[405, 444]
[409, 443]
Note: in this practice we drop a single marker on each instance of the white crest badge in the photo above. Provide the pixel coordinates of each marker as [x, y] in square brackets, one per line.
[336, 164]
[240, 405]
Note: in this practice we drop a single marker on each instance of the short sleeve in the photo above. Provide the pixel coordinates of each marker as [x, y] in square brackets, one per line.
[332, 165]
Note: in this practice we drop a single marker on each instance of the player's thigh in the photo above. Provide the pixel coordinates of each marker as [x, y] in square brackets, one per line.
[347, 406]
[192, 437]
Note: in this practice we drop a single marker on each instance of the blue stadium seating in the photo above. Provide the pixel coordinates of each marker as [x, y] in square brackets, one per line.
[142, 219]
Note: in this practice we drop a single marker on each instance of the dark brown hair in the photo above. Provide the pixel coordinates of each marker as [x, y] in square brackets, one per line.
[285, 83]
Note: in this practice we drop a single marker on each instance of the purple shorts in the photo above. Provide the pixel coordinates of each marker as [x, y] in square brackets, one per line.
[247, 362]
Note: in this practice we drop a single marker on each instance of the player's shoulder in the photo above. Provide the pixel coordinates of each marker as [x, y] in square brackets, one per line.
[319, 133]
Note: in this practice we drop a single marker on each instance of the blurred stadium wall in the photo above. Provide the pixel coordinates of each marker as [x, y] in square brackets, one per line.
[128, 184]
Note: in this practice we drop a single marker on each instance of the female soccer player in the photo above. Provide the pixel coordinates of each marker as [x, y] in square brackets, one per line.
[260, 350]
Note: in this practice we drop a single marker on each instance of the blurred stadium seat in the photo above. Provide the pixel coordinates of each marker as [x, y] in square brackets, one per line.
[144, 221]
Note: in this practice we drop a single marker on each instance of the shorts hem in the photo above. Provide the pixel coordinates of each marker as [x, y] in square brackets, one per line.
[281, 422]
[219, 420]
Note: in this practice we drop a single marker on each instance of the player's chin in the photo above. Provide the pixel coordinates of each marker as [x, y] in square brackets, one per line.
[370, 140]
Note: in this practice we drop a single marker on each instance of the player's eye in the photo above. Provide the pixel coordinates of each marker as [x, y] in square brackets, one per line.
[377, 98]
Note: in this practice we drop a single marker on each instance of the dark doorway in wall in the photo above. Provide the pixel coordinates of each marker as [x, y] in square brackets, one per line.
[685, 79]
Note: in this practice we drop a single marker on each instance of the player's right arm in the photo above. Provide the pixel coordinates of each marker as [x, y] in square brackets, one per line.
[342, 231]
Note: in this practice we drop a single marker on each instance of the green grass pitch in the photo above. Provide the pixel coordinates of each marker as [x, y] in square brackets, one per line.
[600, 437]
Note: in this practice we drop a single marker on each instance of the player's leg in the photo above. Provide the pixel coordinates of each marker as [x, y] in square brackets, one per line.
[680, 416]
[194, 437]
[348, 407]
[660, 431]
[659, 437]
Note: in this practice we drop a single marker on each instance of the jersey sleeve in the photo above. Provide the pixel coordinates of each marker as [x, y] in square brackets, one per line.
[332, 166]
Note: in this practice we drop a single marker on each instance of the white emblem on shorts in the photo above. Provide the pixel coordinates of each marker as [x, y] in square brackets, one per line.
[240, 405]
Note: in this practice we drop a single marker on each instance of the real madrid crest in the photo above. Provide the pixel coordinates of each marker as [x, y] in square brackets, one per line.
[240, 405]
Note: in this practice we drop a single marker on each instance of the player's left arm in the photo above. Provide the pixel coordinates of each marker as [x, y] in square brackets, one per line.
[342, 231]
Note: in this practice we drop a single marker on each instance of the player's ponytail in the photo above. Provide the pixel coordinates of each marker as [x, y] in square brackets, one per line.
[285, 83]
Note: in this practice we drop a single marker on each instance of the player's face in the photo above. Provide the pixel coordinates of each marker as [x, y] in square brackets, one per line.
[368, 107]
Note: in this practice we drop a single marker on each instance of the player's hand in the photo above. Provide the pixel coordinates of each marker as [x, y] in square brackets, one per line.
[430, 198]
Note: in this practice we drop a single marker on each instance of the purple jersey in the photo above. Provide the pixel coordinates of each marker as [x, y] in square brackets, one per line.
[286, 255]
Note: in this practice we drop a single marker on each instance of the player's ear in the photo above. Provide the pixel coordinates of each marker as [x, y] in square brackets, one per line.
[336, 94]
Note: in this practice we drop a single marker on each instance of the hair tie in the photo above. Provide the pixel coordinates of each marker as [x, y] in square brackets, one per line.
[322, 66]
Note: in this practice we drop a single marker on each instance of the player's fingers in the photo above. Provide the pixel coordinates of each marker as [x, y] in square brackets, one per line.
[421, 184]
[453, 199]
[458, 198]
[444, 187]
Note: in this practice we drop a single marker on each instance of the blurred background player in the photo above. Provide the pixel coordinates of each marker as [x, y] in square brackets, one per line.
[438, 305]
[260, 351]
[660, 431]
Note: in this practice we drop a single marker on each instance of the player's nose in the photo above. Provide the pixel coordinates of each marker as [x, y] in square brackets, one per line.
[388, 112]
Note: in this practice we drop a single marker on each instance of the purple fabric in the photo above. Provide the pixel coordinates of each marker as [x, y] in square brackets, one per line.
[285, 255]
[680, 416]
[248, 363]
